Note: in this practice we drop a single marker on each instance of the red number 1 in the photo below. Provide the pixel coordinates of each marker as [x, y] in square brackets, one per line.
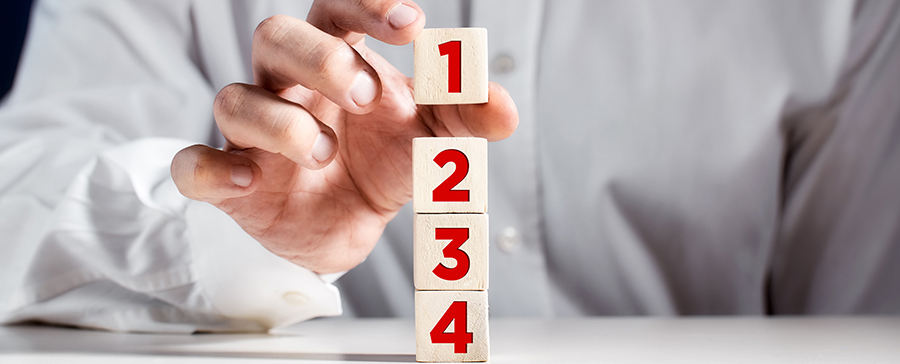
[459, 337]
[454, 77]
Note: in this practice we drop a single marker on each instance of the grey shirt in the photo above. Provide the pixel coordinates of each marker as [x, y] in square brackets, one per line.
[703, 157]
[683, 158]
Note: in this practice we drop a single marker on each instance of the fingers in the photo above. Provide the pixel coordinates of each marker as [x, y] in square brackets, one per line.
[391, 21]
[249, 116]
[288, 52]
[495, 120]
[206, 174]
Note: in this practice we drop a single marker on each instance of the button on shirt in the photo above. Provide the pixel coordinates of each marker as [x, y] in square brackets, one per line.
[671, 158]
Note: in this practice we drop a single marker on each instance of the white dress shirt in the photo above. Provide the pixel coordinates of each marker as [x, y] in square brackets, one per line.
[701, 157]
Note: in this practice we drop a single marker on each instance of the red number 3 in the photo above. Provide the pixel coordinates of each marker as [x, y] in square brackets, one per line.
[459, 337]
[444, 192]
[457, 237]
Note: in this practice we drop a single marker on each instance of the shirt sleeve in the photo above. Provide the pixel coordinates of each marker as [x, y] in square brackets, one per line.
[94, 232]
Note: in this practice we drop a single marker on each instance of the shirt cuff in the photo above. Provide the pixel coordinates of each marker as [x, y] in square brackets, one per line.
[245, 281]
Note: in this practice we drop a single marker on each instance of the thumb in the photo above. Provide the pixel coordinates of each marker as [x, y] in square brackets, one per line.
[394, 22]
[206, 174]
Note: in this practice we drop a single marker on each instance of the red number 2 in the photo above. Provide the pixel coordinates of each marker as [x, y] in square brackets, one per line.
[452, 49]
[459, 337]
[444, 192]
[457, 237]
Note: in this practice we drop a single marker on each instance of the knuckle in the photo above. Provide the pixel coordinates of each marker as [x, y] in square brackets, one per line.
[285, 127]
[228, 100]
[188, 170]
[201, 168]
[375, 9]
[332, 56]
[203, 174]
[271, 29]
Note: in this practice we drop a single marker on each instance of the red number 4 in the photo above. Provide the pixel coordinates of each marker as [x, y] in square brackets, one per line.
[459, 337]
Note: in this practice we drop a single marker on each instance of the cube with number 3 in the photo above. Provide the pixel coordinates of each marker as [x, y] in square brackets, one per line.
[452, 326]
[450, 175]
[450, 252]
[451, 66]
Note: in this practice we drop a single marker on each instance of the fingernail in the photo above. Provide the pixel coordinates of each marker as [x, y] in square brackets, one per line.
[362, 91]
[402, 15]
[241, 175]
[323, 148]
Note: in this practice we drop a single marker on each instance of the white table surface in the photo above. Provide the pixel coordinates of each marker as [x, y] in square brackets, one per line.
[606, 340]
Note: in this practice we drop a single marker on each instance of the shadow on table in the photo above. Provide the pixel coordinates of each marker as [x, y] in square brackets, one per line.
[389, 358]
[54, 339]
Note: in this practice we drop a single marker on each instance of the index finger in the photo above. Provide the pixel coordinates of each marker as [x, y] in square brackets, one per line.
[394, 22]
[288, 52]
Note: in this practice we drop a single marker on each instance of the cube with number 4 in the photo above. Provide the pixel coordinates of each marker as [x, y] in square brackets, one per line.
[450, 175]
[450, 252]
[452, 326]
[451, 66]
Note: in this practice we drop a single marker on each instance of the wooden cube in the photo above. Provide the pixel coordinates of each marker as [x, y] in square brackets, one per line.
[452, 326]
[451, 66]
[450, 252]
[450, 175]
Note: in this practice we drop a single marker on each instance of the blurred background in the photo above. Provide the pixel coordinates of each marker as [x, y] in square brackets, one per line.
[13, 24]
[691, 129]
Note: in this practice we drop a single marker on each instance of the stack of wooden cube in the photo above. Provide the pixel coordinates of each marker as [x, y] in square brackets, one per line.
[450, 248]
[450, 201]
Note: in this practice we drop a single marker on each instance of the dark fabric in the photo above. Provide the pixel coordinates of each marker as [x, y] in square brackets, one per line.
[13, 24]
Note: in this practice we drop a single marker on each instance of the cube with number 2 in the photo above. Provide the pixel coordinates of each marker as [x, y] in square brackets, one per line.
[452, 326]
[451, 66]
[450, 252]
[450, 175]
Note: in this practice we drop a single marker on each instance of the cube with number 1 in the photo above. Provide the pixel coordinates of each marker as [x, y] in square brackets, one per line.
[451, 66]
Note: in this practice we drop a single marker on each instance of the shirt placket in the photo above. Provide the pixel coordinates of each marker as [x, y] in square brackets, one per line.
[519, 277]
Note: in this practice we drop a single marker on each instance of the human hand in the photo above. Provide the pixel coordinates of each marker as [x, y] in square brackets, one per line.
[319, 149]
